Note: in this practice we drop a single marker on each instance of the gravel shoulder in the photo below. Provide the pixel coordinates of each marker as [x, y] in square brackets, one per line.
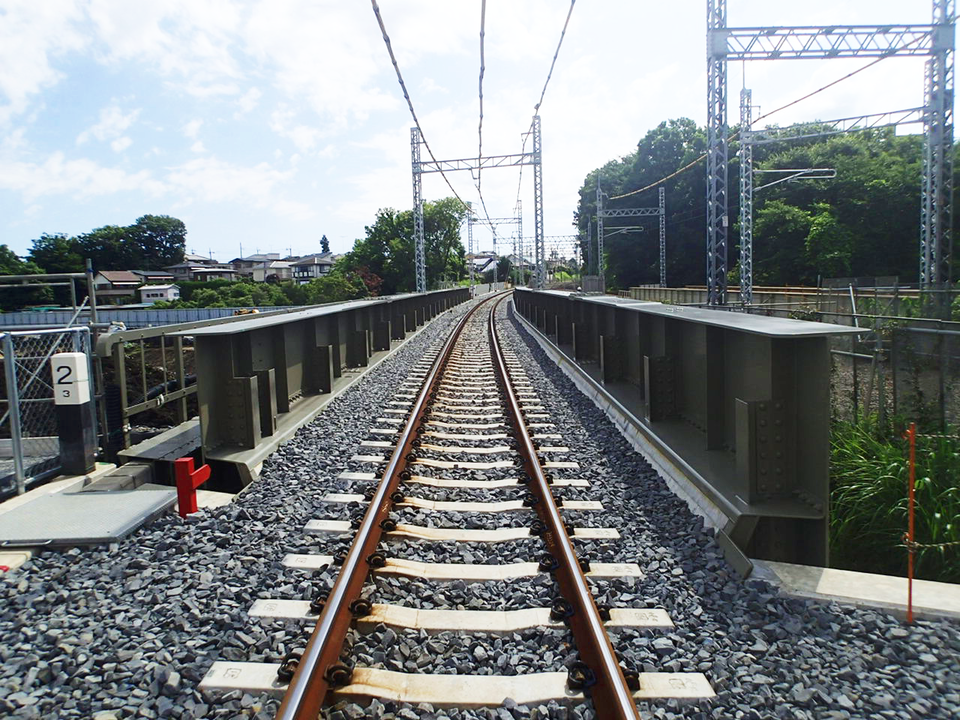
[130, 630]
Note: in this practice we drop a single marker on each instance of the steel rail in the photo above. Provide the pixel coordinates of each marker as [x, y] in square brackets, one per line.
[310, 683]
[610, 693]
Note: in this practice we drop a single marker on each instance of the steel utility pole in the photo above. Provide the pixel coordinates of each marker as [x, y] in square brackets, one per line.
[600, 268]
[470, 242]
[660, 211]
[934, 41]
[535, 158]
[420, 258]
[821, 128]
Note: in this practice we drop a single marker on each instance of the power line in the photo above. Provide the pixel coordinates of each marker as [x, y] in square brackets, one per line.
[736, 134]
[406, 95]
[483, 18]
[536, 108]
[555, 54]
[477, 181]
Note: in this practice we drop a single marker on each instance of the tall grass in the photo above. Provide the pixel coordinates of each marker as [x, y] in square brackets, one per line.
[869, 472]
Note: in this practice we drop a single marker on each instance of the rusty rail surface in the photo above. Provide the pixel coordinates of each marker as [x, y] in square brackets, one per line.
[601, 674]
[319, 667]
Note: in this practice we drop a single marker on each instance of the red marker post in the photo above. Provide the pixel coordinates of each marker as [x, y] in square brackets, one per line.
[188, 480]
[911, 548]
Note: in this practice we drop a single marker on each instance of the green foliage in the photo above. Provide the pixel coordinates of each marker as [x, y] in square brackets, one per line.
[633, 258]
[57, 254]
[863, 222]
[242, 293]
[324, 244]
[151, 243]
[869, 469]
[385, 257]
[16, 298]
[335, 287]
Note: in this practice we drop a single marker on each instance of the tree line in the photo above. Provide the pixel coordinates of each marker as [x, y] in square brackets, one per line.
[863, 222]
[380, 263]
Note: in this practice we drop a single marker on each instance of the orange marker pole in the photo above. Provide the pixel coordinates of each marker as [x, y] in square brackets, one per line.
[912, 434]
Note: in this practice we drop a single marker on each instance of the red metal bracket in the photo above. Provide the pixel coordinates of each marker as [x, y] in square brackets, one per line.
[188, 480]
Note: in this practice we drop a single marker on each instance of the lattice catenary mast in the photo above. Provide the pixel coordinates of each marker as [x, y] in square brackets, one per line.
[602, 213]
[935, 41]
[419, 167]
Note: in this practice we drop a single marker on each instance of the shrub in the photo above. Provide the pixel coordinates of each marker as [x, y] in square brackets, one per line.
[870, 470]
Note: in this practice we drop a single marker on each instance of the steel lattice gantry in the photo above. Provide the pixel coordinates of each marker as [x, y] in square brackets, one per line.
[420, 167]
[659, 211]
[934, 41]
[820, 128]
[493, 224]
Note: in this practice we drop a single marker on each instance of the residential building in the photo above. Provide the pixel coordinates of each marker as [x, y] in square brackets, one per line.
[201, 272]
[159, 277]
[245, 265]
[274, 271]
[114, 287]
[150, 294]
[198, 259]
[482, 261]
[311, 267]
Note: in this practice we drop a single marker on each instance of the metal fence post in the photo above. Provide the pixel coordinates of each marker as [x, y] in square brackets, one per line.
[13, 409]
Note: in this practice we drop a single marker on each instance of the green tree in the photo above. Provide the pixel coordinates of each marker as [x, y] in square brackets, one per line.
[633, 258]
[57, 253]
[16, 298]
[336, 286]
[324, 244]
[151, 243]
[387, 251]
[160, 240]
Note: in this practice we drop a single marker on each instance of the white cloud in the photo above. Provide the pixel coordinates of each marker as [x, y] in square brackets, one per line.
[302, 136]
[186, 41]
[113, 123]
[198, 147]
[429, 85]
[80, 178]
[32, 35]
[211, 180]
[121, 144]
[192, 128]
[249, 100]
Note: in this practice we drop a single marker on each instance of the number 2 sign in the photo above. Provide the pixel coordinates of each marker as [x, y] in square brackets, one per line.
[71, 382]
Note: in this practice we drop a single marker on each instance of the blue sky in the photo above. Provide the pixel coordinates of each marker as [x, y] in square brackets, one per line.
[265, 125]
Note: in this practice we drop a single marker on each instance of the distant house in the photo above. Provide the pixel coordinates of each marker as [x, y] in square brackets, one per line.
[311, 267]
[201, 272]
[150, 294]
[245, 265]
[198, 259]
[482, 261]
[114, 287]
[273, 271]
[153, 276]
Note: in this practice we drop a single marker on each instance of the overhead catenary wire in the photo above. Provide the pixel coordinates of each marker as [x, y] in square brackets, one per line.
[536, 108]
[406, 95]
[483, 18]
[477, 180]
[736, 134]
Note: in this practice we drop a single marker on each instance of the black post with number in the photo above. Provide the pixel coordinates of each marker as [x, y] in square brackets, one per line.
[72, 397]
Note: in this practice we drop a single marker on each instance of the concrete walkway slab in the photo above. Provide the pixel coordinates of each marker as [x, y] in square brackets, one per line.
[884, 592]
[79, 518]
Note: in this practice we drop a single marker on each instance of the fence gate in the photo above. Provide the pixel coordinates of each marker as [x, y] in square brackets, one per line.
[29, 444]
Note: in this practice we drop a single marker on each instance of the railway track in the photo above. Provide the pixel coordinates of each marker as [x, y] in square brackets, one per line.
[467, 465]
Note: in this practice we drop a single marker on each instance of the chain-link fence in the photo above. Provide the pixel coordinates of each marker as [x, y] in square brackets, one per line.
[29, 442]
